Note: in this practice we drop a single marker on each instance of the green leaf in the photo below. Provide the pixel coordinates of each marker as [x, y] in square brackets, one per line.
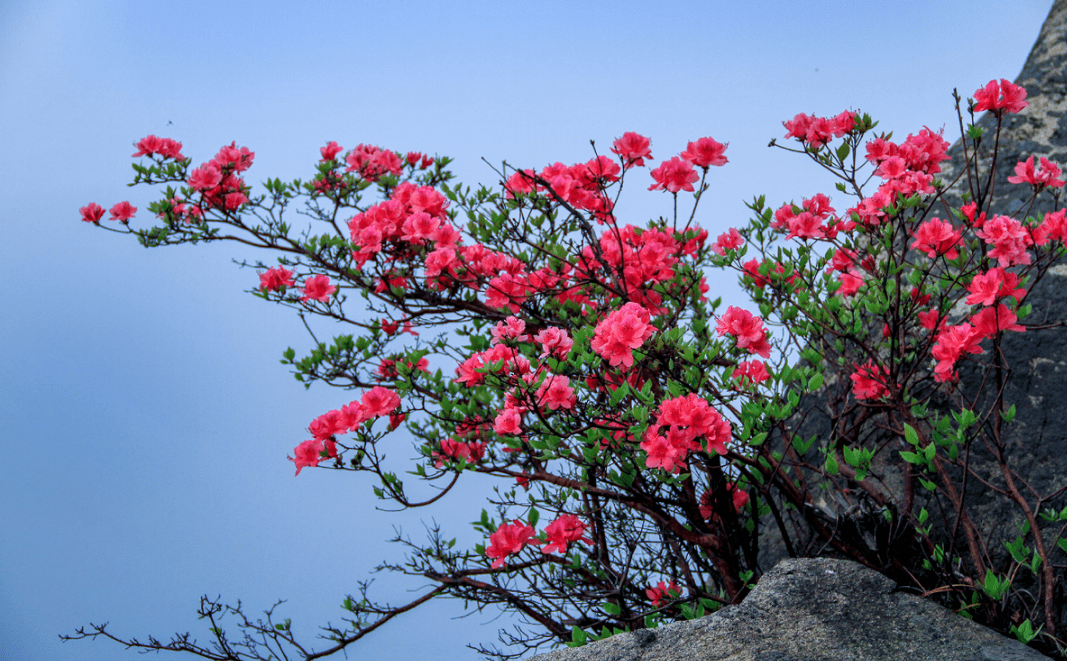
[815, 383]
[911, 457]
[535, 516]
[831, 464]
[910, 434]
[843, 151]
[1025, 631]
[612, 609]
[578, 638]
[1008, 415]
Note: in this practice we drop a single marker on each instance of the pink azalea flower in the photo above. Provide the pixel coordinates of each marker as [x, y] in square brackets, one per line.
[747, 328]
[661, 592]
[937, 237]
[989, 287]
[330, 151]
[554, 342]
[513, 328]
[674, 175]
[507, 422]
[205, 177]
[633, 149]
[662, 453]
[705, 152]
[990, 321]
[92, 212]
[950, 345]
[556, 392]
[165, 147]
[751, 372]
[232, 156]
[309, 453]
[1053, 227]
[731, 240]
[123, 211]
[620, 332]
[378, 401]
[318, 288]
[509, 538]
[275, 278]
[868, 382]
[999, 98]
[1008, 238]
[1046, 175]
[328, 424]
[560, 533]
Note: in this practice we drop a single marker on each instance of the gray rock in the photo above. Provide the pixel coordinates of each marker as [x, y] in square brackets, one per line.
[813, 610]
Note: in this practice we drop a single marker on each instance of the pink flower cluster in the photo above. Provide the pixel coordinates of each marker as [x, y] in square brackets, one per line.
[375, 403]
[1001, 97]
[580, 185]
[814, 219]
[217, 180]
[93, 212]
[844, 260]
[633, 149]
[1047, 175]
[988, 290]
[645, 258]
[510, 538]
[908, 169]
[413, 216]
[275, 278]
[869, 381]
[554, 391]
[622, 331]
[937, 238]
[687, 419]
[165, 147]
[751, 372]
[318, 288]
[372, 163]
[729, 240]
[817, 131]
[747, 329]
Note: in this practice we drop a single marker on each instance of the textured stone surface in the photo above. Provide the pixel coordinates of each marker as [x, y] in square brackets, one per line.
[813, 610]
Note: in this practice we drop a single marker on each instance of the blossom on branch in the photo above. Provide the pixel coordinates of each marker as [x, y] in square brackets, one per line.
[674, 175]
[998, 98]
[318, 288]
[561, 532]
[509, 538]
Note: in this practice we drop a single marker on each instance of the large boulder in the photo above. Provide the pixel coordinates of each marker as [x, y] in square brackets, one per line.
[813, 610]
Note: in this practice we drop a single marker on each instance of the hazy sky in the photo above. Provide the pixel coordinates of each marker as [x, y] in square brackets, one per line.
[145, 417]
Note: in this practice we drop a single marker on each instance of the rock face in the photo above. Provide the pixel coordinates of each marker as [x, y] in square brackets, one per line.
[813, 610]
[1037, 438]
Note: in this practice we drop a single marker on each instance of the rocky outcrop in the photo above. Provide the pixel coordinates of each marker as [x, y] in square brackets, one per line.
[813, 610]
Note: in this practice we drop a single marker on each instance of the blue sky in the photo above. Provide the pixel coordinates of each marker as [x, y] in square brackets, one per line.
[146, 420]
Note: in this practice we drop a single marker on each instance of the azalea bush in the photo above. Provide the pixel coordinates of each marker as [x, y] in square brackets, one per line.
[645, 446]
